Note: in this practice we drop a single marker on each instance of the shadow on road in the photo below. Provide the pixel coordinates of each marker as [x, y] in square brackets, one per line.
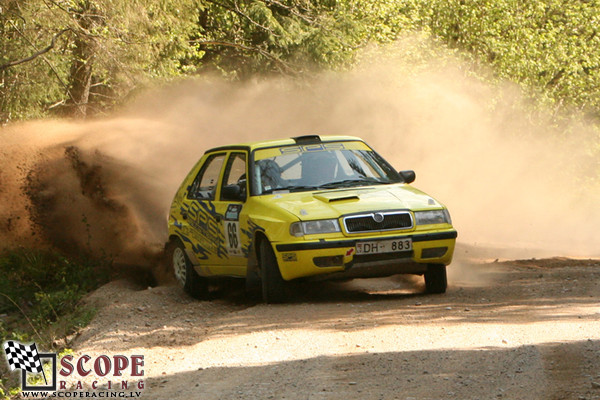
[510, 294]
[547, 371]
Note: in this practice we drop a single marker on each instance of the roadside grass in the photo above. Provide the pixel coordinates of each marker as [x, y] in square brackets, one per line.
[40, 300]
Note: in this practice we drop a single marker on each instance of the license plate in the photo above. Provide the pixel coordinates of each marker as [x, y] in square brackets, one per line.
[384, 246]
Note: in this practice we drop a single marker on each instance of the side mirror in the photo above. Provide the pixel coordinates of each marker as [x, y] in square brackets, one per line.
[408, 176]
[232, 193]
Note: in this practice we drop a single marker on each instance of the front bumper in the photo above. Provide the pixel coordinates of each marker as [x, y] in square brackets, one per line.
[338, 257]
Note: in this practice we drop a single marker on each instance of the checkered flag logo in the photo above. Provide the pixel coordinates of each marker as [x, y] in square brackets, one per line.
[22, 357]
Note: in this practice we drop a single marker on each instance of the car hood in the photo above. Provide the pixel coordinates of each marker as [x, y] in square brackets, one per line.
[333, 203]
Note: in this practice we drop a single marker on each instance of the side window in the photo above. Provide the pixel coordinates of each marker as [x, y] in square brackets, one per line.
[236, 169]
[205, 184]
[235, 172]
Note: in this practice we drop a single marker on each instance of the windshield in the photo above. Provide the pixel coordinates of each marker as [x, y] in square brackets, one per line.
[319, 166]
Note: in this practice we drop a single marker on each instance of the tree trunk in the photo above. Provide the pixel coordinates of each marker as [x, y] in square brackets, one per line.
[80, 80]
[81, 77]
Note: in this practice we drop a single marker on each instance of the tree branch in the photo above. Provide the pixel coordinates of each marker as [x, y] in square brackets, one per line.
[49, 64]
[292, 10]
[35, 55]
[236, 10]
[285, 66]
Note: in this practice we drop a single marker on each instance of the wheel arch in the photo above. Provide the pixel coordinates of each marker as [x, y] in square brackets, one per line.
[163, 272]
[172, 238]
[254, 256]
[253, 280]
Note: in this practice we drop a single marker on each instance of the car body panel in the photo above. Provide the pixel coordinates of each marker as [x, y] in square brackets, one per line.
[297, 262]
[220, 235]
[333, 203]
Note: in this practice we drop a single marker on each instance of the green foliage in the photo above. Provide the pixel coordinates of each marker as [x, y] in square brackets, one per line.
[40, 293]
[549, 47]
[24, 90]
[266, 36]
[10, 393]
[123, 44]
[41, 289]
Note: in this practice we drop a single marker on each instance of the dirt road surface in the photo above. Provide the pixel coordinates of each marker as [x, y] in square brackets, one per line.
[504, 330]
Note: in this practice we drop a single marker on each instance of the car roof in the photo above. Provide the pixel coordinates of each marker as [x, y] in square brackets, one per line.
[300, 140]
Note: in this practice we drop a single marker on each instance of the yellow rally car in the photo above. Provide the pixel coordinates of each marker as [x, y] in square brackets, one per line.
[309, 206]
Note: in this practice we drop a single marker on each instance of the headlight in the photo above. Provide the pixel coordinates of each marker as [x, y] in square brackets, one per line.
[314, 227]
[296, 229]
[432, 217]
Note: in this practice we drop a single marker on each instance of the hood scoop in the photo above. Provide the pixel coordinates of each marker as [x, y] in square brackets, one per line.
[331, 198]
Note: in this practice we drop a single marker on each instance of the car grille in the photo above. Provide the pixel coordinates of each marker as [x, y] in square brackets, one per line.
[387, 222]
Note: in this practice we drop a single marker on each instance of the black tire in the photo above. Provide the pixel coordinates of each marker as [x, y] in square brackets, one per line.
[273, 285]
[436, 280]
[253, 285]
[192, 283]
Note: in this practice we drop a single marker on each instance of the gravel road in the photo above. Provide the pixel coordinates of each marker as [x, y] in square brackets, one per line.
[504, 330]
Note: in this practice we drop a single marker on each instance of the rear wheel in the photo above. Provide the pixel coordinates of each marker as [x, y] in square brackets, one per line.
[273, 285]
[192, 283]
[436, 280]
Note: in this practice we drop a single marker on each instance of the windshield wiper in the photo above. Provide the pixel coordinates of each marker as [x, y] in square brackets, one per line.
[354, 182]
[291, 188]
[330, 185]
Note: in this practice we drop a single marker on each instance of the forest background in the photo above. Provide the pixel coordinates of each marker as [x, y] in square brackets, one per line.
[82, 58]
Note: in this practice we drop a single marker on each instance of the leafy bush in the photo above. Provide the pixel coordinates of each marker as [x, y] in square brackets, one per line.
[42, 287]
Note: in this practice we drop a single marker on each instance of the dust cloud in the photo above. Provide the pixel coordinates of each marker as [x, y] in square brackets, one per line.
[512, 180]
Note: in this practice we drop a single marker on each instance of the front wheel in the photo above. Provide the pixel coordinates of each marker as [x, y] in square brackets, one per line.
[192, 283]
[436, 280]
[273, 285]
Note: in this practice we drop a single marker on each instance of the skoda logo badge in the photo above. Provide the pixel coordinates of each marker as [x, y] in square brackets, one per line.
[378, 217]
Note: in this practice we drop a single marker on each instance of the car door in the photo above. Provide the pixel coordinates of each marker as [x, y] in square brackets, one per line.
[232, 216]
[201, 216]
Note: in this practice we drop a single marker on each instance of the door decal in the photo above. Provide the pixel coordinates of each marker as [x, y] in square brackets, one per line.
[231, 227]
